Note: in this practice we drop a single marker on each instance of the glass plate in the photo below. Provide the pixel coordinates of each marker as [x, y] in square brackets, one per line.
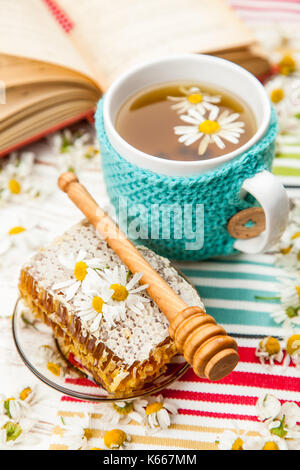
[76, 381]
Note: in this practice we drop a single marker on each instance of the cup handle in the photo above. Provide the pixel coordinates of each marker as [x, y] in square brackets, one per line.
[272, 216]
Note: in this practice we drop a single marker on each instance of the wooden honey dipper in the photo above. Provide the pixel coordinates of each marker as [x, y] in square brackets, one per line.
[204, 344]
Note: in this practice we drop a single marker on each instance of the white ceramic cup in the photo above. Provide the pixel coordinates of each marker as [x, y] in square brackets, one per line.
[219, 73]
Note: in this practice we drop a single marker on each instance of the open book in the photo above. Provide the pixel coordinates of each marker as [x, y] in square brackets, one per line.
[58, 57]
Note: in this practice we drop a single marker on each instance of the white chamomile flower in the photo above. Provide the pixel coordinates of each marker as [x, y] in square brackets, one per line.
[289, 312]
[92, 304]
[193, 98]
[75, 151]
[232, 439]
[269, 350]
[24, 235]
[125, 292]
[123, 412]
[287, 254]
[13, 433]
[78, 266]
[267, 441]
[213, 130]
[292, 348]
[16, 407]
[51, 359]
[268, 407]
[16, 178]
[158, 413]
[116, 439]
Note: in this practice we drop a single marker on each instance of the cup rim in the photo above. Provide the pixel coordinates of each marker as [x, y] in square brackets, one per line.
[173, 167]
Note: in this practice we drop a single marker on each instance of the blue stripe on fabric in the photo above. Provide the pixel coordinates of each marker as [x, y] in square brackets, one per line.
[236, 293]
[241, 317]
[228, 275]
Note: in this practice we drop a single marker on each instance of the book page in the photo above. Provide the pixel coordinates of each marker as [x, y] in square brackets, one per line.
[114, 35]
[27, 29]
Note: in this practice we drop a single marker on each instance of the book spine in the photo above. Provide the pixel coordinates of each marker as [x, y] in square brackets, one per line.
[59, 14]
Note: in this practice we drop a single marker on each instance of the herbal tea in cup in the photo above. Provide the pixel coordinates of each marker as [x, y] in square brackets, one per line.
[185, 121]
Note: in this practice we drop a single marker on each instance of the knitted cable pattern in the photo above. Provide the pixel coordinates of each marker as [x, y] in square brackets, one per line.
[218, 190]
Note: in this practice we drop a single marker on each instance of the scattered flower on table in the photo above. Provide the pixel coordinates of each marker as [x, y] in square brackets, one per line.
[49, 358]
[280, 419]
[213, 130]
[292, 349]
[288, 314]
[116, 439]
[123, 412]
[16, 407]
[193, 98]
[75, 150]
[22, 234]
[235, 439]
[159, 412]
[266, 441]
[13, 433]
[269, 350]
[16, 180]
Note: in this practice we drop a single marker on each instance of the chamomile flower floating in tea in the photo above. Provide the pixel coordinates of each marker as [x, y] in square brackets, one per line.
[125, 291]
[79, 266]
[193, 98]
[151, 119]
[211, 130]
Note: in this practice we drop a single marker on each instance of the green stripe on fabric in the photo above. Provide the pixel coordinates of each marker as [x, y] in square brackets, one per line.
[241, 317]
[285, 171]
[236, 293]
[228, 275]
[241, 261]
[289, 155]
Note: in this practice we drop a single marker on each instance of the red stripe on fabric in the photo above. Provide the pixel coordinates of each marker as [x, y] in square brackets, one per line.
[251, 379]
[61, 17]
[82, 381]
[75, 400]
[211, 414]
[210, 397]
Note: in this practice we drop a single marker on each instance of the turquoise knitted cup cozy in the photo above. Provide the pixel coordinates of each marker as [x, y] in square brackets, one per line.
[208, 200]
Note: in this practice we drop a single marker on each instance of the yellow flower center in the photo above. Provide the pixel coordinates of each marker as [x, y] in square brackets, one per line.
[195, 98]
[293, 344]
[114, 438]
[238, 444]
[25, 393]
[285, 251]
[95, 448]
[124, 410]
[54, 368]
[153, 408]
[80, 270]
[277, 95]
[120, 292]
[270, 445]
[296, 235]
[298, 290]
[88, 433]
[97, 304]
[16, 230]
[271, 345]
[287, 65]
[209, 127]
[14, 186]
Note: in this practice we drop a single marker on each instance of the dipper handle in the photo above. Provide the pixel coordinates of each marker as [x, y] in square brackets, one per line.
[204, 344]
